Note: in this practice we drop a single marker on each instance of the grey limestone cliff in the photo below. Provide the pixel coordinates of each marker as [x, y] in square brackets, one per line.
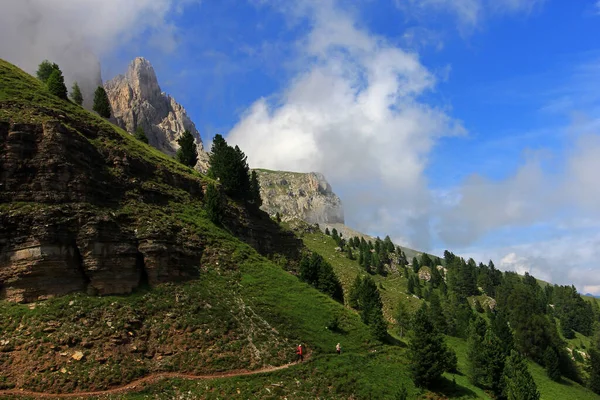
[307, 196]
[137, 100]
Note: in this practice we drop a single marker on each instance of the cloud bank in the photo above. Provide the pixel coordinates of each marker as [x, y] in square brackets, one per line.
[76, 33]
[353, 112]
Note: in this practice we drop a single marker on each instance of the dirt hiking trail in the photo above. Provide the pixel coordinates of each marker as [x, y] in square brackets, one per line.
[139, 384]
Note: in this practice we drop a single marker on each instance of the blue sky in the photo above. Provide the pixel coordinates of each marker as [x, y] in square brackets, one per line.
[471, 125]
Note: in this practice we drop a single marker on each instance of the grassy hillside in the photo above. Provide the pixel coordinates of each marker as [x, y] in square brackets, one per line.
[243, 312]
[393, 288]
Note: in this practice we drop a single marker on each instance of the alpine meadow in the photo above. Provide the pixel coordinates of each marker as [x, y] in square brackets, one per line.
[307, 200]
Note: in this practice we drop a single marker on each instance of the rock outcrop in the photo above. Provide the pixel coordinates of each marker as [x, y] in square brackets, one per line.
[306, 196]
[62, 227]
[137, 100]
[83, 209]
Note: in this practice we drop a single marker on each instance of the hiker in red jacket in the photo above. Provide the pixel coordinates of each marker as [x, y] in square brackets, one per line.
[299, 352]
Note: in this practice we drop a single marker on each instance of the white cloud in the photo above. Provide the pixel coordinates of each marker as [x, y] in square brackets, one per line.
[469, 13]
[76, 33]
[549, 187]
[354, 113]
[567, 260]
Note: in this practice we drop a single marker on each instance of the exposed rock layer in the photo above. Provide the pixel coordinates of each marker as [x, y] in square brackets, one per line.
[297, 195]
[137, 100]
[64, 221]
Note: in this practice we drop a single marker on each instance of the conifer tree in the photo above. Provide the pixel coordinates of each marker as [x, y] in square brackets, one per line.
[76, 95]
[518, 383]
[496, 361]
[212, 204]
[45, 69]
[436, 312]
[593, 366]
[436, 277]
[429, 356]
[255, 190]
[327, 231]
[411, 285]
[350, 255]
[101, 103]
[140, 134]
[499, 326]
[475, 351]
[378, 325]
[402, 317]
[552, 364]
[415, 265]
[361, 258]
[354, 293]
[426, 260]
[56, 84]
[319, 273]
[187, 153]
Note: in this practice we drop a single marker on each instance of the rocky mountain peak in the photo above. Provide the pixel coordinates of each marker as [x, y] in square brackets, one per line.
[137, 100]
[143, 80]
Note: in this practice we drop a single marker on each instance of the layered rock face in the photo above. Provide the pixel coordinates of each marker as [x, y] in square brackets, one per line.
[137, 100]
[306, 196]
[60, 225]
[79, 216]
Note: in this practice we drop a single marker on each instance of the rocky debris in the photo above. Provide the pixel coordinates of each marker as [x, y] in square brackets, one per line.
[305, 196]
[137, 100]
[77, 356]
[425, 274]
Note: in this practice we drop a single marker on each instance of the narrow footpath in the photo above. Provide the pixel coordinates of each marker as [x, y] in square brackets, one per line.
[140, 384]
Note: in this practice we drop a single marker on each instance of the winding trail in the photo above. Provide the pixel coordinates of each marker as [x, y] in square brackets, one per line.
[139, 384]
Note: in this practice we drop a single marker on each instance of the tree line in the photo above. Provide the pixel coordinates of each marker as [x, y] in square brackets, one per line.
[52, 77]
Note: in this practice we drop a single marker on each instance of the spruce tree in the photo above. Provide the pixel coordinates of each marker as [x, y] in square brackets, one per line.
[229, 165]
[411, 285]
[255, 190]
[437, 313]
[499, 326]
[140, 134]
[45, 69]
[429, 356]
[319, 273]
[76, 95]
[496, 360]
[475, 351]
[378, 325]
[552, 364]
[213, 205]
[101, 103]
[56, 84]
[354, 293]
[593, 368]
[350, 255]
[187, 153]
[518, 382]
[415, 265]
[402, 317]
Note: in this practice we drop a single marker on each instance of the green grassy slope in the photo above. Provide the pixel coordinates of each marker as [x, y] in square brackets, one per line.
[244, 312]
[394, 290]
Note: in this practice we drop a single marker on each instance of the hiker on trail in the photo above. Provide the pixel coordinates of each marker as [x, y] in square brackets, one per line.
[299, 352]
[338, 348]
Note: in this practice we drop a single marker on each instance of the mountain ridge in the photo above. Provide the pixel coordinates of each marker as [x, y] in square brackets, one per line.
[137, 100]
